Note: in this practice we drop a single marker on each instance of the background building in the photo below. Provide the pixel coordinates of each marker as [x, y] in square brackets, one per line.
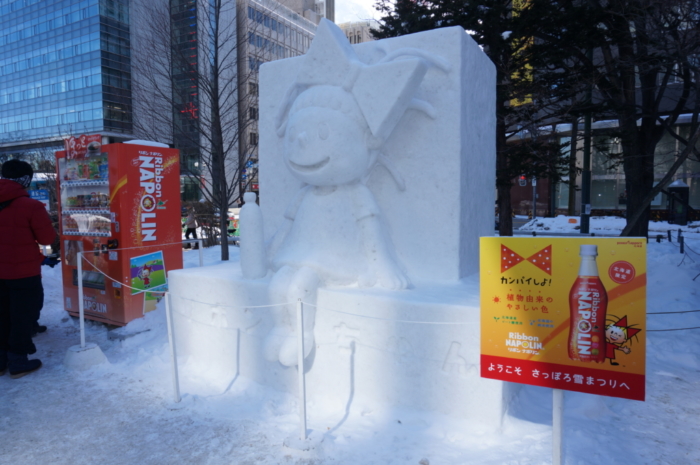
[79, 67]
[358, 31]
[608, 190]
[64, 70]
[267, 31]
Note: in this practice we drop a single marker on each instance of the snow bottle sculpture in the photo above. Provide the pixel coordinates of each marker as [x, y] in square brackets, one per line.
[588, 304]
[253, 257]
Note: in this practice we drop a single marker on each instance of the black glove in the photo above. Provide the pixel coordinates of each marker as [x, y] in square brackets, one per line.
[51, 261]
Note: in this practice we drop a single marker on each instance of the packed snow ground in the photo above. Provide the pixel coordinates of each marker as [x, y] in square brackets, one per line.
[123, 412]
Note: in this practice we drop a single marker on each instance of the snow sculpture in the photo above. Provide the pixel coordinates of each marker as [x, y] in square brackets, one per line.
[377, 175]
[334, 120]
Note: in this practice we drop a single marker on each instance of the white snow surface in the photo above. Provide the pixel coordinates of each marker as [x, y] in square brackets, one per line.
[123, 412]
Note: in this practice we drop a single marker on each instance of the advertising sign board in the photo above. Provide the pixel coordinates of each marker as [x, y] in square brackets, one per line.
[42, 195]
[565, 313]
[79, 147]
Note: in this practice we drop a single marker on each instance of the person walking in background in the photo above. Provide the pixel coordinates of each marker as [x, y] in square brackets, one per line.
[24, 224]
[191, 225]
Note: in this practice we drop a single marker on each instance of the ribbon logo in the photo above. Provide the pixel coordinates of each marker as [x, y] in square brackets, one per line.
[541, 259]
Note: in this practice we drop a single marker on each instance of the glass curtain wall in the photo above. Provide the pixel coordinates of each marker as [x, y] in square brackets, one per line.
[64, 68]
[183, 18]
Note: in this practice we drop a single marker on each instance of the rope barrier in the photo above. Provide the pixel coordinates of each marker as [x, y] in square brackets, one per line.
[246, 307]
[112, 279]
[143, 246]
[237, 307]
[392, 320]
[687, 247]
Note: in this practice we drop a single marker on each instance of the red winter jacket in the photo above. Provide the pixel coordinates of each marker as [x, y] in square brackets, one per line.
[23, 223]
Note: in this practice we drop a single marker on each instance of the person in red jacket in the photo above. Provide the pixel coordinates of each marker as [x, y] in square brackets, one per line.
[24, 223]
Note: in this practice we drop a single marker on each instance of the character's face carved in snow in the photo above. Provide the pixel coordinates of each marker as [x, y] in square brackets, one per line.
[325, 140]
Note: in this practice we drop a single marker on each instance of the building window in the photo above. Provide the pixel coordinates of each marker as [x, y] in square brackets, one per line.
[253, 113]
[253, 139]
[604, 193]
[253, 88]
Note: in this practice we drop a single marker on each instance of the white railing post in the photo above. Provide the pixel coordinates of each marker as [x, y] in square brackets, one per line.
[302, 380]
[81, 302]
[557, 425]
[173, 352]
[201, 252]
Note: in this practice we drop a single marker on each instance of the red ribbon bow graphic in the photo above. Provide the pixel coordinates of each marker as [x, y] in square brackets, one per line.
[541, 259]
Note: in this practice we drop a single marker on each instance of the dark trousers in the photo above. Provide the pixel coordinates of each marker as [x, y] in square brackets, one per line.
[192, 231]
[20, 303]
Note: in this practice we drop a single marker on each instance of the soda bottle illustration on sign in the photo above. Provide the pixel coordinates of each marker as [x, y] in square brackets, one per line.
[588, 303]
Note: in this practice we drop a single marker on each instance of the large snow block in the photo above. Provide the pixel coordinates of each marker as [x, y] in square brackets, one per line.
[446, 157]
[377, 178]
[374, 348]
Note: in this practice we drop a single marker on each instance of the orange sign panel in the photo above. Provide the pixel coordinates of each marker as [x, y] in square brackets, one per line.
[566, 313]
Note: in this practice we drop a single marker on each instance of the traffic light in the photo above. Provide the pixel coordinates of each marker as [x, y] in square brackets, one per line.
[522, 180]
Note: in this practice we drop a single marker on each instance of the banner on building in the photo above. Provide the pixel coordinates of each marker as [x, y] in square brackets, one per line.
[81, 146]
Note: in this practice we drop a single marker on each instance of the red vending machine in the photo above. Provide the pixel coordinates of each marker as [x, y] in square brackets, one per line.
[119, 205]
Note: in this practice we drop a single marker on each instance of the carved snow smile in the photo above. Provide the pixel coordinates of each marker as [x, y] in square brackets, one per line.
[309, 168]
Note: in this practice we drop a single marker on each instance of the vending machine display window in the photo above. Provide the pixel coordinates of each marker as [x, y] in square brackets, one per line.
[85, 195]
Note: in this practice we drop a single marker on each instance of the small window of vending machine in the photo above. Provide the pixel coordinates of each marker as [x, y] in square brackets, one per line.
[120, 206]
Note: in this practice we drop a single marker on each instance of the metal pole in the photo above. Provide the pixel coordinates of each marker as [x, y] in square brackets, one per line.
[586, 173]
[81, 303]
[534, 198]
[557, 425]
[201, 253]
[302, 380]
[586, 177]
[171, 341]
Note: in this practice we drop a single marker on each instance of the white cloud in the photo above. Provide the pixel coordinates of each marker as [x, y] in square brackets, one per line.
[355, 10]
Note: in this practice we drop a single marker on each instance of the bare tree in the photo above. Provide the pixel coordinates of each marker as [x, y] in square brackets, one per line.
[197, 86]
[187, 90]
[641, 59]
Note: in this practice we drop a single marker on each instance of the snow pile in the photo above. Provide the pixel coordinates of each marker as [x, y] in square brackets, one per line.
[604, 225]
[123, 412]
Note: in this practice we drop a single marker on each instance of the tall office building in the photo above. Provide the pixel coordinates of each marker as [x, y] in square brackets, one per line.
[71, 67]
[64, 70]
[267, 30]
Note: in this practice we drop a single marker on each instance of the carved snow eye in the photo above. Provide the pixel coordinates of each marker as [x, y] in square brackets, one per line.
[323, 131]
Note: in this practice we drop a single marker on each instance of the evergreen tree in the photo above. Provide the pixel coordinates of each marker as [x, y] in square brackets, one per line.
[637, 58]
[531, 91]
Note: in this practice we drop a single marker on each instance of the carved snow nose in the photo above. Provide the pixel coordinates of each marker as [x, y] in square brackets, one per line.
[303, 140]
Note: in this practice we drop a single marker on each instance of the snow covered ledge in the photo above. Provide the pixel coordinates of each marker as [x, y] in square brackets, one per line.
[375, 362]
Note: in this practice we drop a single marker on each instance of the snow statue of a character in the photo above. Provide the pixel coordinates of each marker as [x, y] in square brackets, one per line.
[334, 120]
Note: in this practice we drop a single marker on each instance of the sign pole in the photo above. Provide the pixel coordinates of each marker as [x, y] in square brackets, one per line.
[302, 380]
[173, 352]
[534, 197]
[557, 425]
[81, 303]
